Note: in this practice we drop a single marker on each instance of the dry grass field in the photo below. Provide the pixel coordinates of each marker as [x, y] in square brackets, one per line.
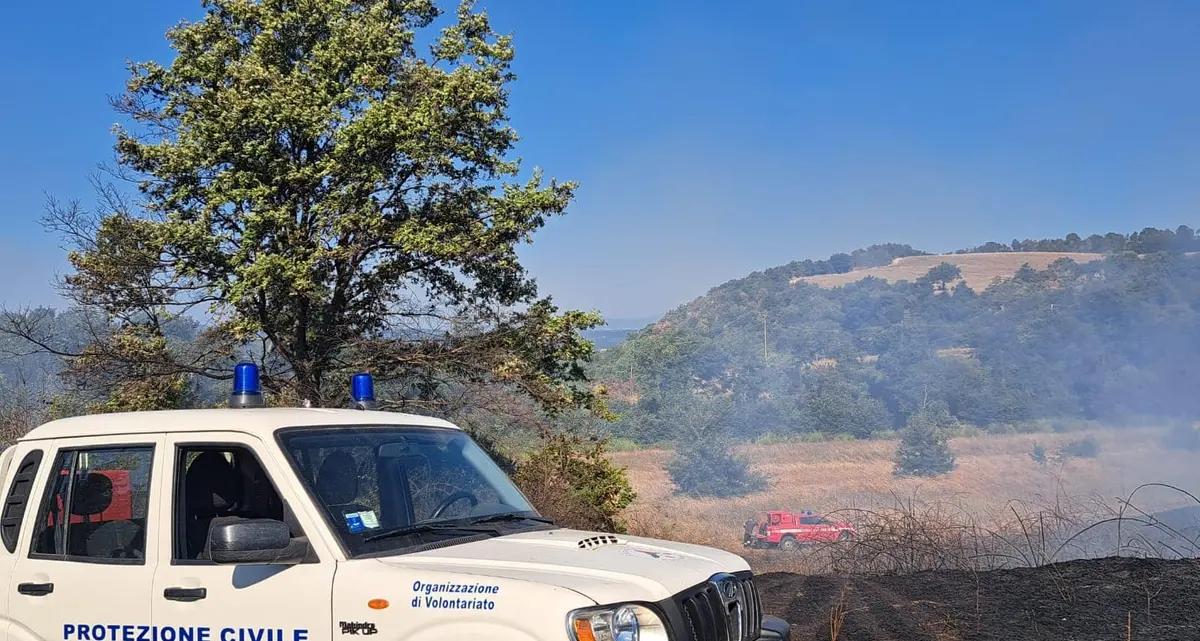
[997, 487]
[978, 270]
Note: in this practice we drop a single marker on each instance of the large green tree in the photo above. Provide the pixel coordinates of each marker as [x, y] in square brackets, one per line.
[332, 182]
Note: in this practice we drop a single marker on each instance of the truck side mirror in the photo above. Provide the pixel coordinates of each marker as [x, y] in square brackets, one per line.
[254, 542]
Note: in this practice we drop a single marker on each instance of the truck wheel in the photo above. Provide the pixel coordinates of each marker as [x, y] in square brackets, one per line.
[788, 543]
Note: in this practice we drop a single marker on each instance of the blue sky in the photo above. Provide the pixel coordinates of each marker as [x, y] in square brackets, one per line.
[712, 139]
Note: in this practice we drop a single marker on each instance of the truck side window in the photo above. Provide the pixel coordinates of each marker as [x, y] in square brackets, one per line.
[95, 506]
[18, 498]
[217, 482]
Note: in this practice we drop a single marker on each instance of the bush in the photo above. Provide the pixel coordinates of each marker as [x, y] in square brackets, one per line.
[707, 466]
[1087, 447]
[704, 463]
[1038, 454]
[923, 449]
[771, 438]
[622, 444]
[571, 480]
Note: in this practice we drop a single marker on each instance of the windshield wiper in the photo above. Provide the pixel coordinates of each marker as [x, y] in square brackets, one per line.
[511, 516]
[423, 528]
[472, 526]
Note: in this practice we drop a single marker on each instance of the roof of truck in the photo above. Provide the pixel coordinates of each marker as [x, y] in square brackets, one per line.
[261, 422]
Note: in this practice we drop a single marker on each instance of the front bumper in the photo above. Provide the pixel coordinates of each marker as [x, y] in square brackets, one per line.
[774, 629]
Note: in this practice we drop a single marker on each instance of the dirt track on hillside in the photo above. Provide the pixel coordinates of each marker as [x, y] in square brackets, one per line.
[1089, 600]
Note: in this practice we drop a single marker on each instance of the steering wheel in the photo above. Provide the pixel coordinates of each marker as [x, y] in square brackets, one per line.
[451, 500]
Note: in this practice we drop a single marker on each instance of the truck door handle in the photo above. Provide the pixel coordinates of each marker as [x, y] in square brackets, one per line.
[35, 589]
[185, 594]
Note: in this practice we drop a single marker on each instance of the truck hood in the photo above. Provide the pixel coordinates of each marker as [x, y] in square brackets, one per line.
[603, 567]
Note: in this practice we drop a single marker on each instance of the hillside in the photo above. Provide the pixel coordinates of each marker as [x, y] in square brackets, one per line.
[993, 337]
[978, 270]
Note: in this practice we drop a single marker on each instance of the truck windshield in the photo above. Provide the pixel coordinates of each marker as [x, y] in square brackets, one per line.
[391, 489]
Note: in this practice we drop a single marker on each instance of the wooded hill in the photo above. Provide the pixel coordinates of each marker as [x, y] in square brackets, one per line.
[1110, 339]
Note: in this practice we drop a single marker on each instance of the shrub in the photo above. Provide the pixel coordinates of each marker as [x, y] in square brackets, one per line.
[1038, 454]
[622, 444]
[571, 480]
[1087, 447]
[707, 466]
[15, 421]
[771, 438]
[923, 449]
[704, 463]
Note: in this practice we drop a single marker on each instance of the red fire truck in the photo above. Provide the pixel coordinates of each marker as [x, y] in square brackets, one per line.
[790, 530]
[120, 500]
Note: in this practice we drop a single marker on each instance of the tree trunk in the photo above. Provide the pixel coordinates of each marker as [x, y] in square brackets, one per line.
[307, 385]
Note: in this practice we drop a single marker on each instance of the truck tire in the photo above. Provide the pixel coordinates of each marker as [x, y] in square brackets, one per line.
[788, 543]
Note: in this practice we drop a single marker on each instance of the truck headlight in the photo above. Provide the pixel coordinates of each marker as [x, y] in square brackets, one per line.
[629, 622]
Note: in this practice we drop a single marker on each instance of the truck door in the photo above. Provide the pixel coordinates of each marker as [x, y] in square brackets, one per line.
[231, 474]
[20, 466]
[83, 570]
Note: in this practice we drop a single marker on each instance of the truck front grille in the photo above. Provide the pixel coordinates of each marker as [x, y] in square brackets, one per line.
[724, 608]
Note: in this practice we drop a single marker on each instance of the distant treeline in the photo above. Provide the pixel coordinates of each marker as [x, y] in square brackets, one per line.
[1111, 340]
[1147, 241]
[840, 263]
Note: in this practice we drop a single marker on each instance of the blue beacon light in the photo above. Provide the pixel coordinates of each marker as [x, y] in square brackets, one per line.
[362, 392]
[246, 391]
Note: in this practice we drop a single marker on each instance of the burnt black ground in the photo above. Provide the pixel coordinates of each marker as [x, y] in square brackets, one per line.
[1086, 600]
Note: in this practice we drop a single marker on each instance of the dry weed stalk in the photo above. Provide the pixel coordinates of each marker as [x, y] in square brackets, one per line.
[1150, 598]
[914, 536]
[837, 615]
[1061, 584]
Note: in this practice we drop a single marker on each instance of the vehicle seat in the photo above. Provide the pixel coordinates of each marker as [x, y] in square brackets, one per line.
[212, 489]
[92, 495]
[337, 484]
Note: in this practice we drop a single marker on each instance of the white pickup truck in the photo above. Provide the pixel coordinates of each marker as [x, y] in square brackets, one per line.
[264, 524]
